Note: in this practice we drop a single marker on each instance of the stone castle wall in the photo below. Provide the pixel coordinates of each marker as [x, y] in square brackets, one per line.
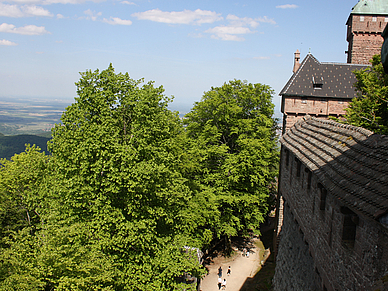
[323, 244]
[297, 108]
[294, 265]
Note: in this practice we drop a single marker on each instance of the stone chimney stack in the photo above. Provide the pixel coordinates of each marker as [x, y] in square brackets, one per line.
[296, 61]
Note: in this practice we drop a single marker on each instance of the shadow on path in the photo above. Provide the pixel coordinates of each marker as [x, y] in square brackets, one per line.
[253, 273]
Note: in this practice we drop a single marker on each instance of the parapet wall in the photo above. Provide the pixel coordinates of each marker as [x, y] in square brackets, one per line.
[294, 265]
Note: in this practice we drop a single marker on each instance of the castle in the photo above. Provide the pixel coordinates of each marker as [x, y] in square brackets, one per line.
[332, 231]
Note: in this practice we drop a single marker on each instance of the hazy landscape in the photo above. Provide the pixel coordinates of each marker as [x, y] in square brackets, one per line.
[30, 116]
[27, 121]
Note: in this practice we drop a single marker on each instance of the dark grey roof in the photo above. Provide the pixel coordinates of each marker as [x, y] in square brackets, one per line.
[350, 162]
[336, 79]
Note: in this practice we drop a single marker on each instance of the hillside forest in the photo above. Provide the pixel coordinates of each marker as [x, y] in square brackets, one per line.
[131, 193]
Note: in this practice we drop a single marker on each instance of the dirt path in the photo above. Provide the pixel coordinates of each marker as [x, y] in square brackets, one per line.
[243, 268]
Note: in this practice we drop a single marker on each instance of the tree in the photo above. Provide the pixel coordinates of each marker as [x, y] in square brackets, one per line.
[118, 158]
[22, 208]
[235, 144]
[370, 108]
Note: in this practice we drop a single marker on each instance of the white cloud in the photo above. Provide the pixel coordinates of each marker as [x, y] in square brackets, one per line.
[182, 17]
[26, 30]
[128, 3]
[237, 27]
[48, 2]
[7, 42]
[117, 21]
[228, 37]
[261, 58]
[32, 10]
[228, 32]
[246, 21]
[92, 15]
[287, 6]
[23, 11]
[60, 16]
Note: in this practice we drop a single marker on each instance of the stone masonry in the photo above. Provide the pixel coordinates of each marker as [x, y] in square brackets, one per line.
[333, 179]
[364, 37]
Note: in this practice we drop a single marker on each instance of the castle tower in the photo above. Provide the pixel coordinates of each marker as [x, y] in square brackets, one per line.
[365, 25]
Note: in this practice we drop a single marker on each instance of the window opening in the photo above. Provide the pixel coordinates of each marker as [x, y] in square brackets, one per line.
[317, 83]
[349, 226]
[322, 198]
[298, 167]
[309, 177]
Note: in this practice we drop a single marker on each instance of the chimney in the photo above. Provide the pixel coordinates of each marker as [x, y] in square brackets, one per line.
[296, 61]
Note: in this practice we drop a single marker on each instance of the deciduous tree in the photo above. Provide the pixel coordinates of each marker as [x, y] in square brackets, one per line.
[118, 155]
[234, 132]
[370, 108]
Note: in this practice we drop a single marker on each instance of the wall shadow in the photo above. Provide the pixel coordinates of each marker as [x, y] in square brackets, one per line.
[263, 278]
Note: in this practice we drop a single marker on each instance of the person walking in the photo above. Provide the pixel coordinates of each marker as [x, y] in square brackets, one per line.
[229, 271]
[219, 283]
[220, 272]
[223, 284]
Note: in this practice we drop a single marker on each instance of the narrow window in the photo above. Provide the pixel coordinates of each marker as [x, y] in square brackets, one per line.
[374, 18]
[386, 19]
[349, 226]
[322, 198]
[361, 18]
[309, 176]
[287, 157]
[298, 167]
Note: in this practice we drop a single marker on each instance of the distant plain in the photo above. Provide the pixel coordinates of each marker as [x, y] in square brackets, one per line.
[30, 116]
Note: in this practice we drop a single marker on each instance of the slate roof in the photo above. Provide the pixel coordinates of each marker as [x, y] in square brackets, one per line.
[336, 79]
[375, 7]
[350, 162]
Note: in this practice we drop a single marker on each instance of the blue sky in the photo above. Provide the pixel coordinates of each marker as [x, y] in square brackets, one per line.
[186, 46]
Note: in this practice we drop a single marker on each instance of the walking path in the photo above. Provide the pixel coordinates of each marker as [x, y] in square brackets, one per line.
[242, 268]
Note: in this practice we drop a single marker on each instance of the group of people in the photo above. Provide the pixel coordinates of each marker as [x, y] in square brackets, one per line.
[222, 283]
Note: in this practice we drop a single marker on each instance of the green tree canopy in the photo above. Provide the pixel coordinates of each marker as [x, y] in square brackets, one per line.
[117, 153]
[129, 194]
[235, 143]
[370, 108]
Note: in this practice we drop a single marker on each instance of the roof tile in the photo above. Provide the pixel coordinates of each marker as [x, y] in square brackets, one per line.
[350, 161]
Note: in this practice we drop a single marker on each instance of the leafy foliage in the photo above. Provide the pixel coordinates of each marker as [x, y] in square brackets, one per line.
[370, 108]
[117, 151]
[22, 209]
[129, 195]
[235, 143]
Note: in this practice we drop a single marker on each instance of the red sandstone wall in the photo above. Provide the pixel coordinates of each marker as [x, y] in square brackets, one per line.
[364, 37]
[365, 46]
[295, 108]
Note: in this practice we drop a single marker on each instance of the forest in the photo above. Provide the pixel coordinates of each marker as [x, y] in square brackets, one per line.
[131, 191]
